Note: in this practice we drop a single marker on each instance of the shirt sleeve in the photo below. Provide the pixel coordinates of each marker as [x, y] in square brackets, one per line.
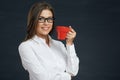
[72, 61]
[32, 64]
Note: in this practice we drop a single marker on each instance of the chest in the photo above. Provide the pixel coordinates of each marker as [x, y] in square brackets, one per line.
[52, 57]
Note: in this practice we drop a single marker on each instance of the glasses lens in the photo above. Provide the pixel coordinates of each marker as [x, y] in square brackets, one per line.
[41, 19]
[50, 20]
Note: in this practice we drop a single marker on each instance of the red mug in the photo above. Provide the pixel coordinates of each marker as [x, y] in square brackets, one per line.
[62, 32]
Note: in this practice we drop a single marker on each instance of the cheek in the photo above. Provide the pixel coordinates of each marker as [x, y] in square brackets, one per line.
[38, 27]
[51, 25]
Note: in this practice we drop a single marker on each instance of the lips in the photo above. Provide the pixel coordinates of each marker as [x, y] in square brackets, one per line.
[45, 28]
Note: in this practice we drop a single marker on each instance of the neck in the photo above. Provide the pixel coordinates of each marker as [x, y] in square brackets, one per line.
[46, 37]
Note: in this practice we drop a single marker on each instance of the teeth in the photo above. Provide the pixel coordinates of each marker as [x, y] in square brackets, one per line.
[45, 28]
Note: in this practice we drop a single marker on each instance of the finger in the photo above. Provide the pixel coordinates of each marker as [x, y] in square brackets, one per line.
[70, 33]
[71, 29]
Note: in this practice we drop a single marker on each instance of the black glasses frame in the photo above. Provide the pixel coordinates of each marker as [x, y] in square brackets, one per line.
[49, 19]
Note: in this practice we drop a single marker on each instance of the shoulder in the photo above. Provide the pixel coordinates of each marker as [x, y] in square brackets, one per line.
[25, 44]
[57, 42]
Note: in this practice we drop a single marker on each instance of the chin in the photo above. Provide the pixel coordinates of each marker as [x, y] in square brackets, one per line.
[45, 34]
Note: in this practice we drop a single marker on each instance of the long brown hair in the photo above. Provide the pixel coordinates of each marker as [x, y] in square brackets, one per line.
[33, 15]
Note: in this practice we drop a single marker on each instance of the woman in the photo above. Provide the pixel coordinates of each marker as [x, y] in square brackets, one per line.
[43, 57]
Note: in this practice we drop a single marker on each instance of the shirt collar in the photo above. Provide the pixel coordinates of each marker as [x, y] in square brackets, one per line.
[39, 40]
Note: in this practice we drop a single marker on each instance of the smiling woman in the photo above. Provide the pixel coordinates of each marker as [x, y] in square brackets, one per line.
[37, 13]
[43, 57]
[43, 26]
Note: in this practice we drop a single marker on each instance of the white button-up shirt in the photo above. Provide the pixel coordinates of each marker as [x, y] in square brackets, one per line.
[53, 62]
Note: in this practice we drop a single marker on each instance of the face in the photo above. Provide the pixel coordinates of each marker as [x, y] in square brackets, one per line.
[44, 26]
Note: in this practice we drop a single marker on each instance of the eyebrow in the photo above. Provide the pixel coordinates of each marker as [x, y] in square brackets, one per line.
[46, 17]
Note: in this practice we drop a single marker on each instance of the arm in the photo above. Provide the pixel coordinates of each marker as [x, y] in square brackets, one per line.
[73, 61]
[32, 64]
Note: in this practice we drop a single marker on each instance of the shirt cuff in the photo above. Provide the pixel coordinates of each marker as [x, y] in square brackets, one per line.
[71, 50]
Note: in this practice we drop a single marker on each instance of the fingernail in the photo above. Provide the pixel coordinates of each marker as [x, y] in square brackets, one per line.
[70, 26]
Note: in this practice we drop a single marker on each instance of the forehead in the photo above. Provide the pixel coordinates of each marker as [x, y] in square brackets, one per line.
[46, 13]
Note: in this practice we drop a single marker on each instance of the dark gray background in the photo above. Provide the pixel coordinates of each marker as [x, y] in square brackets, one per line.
[97, 23]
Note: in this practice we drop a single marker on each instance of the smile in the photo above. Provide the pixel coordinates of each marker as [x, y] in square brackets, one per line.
[45, 28]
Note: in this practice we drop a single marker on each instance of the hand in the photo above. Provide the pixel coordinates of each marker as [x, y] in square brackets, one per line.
[70, 36]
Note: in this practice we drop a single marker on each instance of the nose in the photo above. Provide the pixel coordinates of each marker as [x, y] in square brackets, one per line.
[45, 22]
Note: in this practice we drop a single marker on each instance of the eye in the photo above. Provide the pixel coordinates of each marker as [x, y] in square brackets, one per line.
[41, 18]
[50, 18]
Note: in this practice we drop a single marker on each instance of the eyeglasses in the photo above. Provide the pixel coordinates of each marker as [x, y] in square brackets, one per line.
[49, 19]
